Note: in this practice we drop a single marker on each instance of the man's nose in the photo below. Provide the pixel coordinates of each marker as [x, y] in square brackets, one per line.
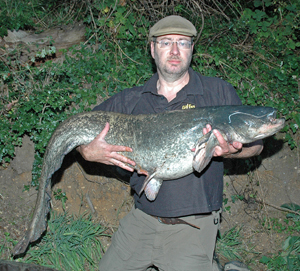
[174, 49]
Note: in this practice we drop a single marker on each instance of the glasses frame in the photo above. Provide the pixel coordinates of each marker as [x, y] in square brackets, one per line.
[172, 42]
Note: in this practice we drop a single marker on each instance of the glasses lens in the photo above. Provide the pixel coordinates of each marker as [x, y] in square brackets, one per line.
[165, 43]
[182, 44]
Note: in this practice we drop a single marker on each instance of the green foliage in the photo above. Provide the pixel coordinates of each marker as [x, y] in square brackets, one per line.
[37, 14]
[69, 244]
[59, 195]
[259, 54]
[289, 257]
[47, 95]
[15, 15]
[6, 244]
[119, 21]
[230, 245]
[227, 208]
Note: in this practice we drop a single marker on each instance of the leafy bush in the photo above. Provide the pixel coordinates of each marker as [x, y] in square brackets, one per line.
[38, 14]
[256, 52]
[15, 15]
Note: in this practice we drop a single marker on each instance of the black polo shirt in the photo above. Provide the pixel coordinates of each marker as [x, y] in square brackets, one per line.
[195, 193]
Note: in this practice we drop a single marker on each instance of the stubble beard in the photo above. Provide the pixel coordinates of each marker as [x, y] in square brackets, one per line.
[172, 74]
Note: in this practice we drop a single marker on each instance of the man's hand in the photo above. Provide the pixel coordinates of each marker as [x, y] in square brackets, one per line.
[235, 149]
[100, 151]
[224, 149]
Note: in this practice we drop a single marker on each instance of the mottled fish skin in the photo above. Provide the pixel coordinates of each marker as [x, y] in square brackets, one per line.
[162, 146]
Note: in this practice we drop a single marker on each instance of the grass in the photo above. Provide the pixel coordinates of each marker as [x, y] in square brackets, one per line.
[288, 258]
[70, 244]
[230, 245]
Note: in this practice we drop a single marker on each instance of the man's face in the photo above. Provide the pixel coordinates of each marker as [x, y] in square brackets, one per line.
[172, 62]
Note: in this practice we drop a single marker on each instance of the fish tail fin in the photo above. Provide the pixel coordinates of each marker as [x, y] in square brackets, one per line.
[39, 222]
[34, 232]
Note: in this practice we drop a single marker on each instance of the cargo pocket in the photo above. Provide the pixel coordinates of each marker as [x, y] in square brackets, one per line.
[123, 254]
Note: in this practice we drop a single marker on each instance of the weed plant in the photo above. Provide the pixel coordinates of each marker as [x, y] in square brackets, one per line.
[70, 243]
[289, 257]
[229, 245]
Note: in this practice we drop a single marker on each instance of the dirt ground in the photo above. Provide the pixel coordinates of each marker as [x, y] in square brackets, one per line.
[274, 181]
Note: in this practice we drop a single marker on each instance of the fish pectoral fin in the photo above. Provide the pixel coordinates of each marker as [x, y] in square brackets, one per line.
[146, 181]
[151, 186]
[204, 151]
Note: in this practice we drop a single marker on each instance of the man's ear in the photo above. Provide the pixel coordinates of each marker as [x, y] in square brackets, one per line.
[152, 48]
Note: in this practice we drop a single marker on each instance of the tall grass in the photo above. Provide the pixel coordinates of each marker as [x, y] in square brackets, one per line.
[70, 244]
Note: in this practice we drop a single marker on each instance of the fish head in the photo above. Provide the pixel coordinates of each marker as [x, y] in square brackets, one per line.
[253, 123]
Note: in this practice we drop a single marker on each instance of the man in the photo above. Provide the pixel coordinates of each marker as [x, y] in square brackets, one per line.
[176, 231]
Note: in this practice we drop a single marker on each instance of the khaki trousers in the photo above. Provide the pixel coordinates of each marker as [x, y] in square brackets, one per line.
[142, 241]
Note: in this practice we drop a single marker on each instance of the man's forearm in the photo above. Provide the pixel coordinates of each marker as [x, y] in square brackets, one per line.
[248, 150]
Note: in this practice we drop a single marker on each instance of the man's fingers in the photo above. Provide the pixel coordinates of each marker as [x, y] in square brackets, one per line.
[218, 151]
[121, 165]
[206, 129]
[103, 132]
[224, 147]
[117, 148]
[122, 159]
[100, 151]
[237, 145]
[220, 138]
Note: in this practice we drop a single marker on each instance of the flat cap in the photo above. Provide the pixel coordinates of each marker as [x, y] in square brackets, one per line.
[173, 25]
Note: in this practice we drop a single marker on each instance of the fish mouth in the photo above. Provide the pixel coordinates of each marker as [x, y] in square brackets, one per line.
[276, 123]
[279, 123]
[270, 128]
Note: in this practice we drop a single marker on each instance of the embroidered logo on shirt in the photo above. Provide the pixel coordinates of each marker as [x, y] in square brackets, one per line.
[188, 106]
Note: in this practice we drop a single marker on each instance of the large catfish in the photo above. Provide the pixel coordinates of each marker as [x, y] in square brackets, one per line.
[166, 146]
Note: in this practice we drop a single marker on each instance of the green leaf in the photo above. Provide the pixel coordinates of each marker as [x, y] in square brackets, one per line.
[291, 7]
[258, 3]
[291, 206]
[131, 29]
[265, 259]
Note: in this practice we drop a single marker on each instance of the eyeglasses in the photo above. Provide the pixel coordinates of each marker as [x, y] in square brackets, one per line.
[182, 44]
